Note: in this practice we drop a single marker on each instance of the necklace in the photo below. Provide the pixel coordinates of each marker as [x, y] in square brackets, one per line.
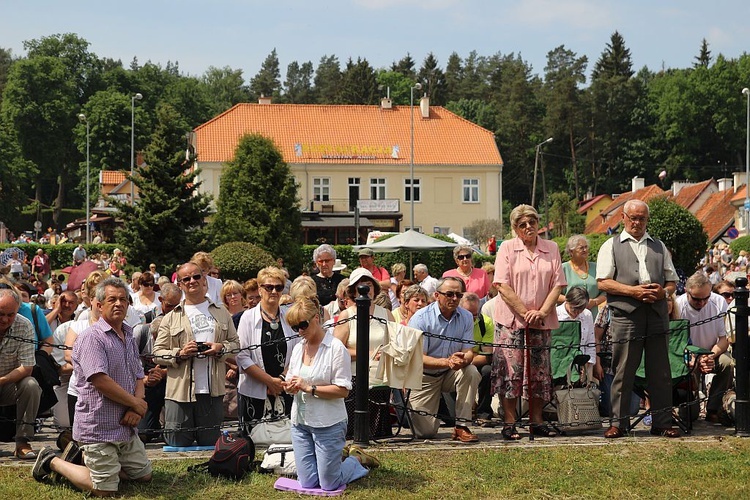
[583, 274]
[272, 320]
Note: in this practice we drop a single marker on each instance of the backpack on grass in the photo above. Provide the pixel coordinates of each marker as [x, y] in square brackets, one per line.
[232, 457]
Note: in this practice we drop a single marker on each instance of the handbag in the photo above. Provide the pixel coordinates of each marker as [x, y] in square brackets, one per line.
[274, 427]
[279, 459]
[578, 407]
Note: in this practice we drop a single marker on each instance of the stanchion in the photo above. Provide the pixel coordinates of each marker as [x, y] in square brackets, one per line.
[742, 369]
[361, 411]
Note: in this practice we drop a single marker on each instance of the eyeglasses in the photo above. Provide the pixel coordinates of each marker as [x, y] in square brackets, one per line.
[529, 223]
[325, 261]
[463, 257]
[639, 220]
[302, 325]
[699, 299]
[727, 295]
[271, 288]
[451, 295]
[187, 279]
[147, 284]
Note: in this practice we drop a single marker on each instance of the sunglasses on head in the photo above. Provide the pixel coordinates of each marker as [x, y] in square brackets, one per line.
[271, 288]
[463, 257]
[302, 325]
[187, 279]
[451, 295]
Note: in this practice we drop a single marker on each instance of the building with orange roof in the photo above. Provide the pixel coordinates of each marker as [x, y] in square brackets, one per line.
[611, 216]
[593, 206]
[693, 195]
[347, 156]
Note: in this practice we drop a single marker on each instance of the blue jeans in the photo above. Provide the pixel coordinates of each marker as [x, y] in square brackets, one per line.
[605, 405]
[317, 453]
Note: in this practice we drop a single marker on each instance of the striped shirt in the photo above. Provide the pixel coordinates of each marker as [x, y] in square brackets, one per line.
[15, 353]
[98, 349]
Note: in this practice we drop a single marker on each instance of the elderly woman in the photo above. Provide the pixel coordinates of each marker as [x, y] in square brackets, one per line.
[398, 273]
[262, 370]
[233, 295]
[529, 277]
[413, 299]
[580, 272]
[319, 378]
[476, 280]
[326, 280]
[346, 332]
[146, 300]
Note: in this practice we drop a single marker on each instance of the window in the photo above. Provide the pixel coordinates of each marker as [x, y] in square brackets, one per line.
[441, 230]
[377, 188]
[408, 190]
[321, 189]
[471, 191]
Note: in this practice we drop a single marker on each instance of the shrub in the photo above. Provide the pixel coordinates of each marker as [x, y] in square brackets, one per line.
[61, 255]
[741, 243]
[681, 232]
[241, 261]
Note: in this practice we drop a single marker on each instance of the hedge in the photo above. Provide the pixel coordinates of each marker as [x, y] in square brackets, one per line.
[60, 255]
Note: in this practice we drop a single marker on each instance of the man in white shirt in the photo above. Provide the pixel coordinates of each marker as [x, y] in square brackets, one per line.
[699, 303]
[422, 275]
[213, 290]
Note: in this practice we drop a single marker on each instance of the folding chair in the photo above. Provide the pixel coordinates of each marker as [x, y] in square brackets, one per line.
[566, 340]
[682, 386]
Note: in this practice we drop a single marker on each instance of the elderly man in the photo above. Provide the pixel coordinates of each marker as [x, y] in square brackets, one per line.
[698, 304]
[79, 254]
[422, 276]
[110, 403]
[17, 386]
[636, 273]
[367, 260]
[327, 280]
[64, 310]
[447, 363]
[195, 340]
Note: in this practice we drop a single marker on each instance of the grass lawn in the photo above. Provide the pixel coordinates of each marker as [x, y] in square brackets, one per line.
[646, 469]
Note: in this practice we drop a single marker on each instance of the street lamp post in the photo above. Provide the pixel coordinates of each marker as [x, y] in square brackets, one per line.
[417, 86]
[746, 91]
[536, 167]
[82, 119]
[137, 97]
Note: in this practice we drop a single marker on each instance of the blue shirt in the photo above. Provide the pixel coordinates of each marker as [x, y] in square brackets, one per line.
[459, 326]
[44, 331]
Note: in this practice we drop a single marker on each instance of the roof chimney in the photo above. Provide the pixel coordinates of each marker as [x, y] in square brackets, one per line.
[264, 100]
[386, 103]
[424, 106]
[638, 183]
[725, 184]
[739, 180]
[678, 185]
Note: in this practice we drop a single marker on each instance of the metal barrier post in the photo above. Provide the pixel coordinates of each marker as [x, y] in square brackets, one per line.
[362, 382]
[742, 368]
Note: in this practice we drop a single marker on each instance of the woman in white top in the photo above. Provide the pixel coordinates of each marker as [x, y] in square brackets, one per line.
[319, 377]
[146, 300]
[575, 309]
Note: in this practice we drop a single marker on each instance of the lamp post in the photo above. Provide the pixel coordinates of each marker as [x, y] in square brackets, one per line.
[137, 97]
[536, 167]
[82, 119]
[417, 86]
[746, 91]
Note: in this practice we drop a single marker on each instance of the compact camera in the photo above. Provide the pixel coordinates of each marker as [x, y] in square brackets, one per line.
[203, 347]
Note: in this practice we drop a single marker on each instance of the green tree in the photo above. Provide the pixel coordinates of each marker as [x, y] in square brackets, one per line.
[267, 82]
[680, 231]
[454, 74]
[6, 59]
[563, 213]
[15, 174]
[226, 87]
[433, 80]
[258, 201]
[703, 59]
[405, 67]
[399, 85]
[328, 80]
[298, 84]
[359, 84]
[165, 225]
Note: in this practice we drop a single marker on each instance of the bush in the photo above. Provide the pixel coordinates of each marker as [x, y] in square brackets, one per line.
[241, 261]
[681, 232]
[595, 243]
[741, 243]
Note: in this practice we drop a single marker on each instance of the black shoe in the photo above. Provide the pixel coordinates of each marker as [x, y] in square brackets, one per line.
[41, 468]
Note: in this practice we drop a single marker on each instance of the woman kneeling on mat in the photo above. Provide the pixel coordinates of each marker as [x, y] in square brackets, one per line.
[320, 377]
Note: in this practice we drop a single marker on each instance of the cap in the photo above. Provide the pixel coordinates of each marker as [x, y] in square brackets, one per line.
[366, 251]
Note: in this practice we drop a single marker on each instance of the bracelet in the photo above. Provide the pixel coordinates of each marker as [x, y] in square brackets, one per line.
[282, 377]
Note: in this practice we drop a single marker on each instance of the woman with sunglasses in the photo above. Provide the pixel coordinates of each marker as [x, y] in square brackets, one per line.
[476, 280]
[319, 378]
[146, 300]
[346, 332]
[529, 277]
[262, 370]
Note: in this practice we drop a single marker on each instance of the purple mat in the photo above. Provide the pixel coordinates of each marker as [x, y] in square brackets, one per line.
[288, 484]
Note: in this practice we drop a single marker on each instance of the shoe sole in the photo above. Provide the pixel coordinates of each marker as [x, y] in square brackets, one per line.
[365, 458]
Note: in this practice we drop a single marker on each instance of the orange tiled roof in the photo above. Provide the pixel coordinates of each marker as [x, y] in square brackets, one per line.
[112, 177]
[739, 196]
[311, 133]
[717, 214]
[687, 195]
[612, 214]
[586, 204]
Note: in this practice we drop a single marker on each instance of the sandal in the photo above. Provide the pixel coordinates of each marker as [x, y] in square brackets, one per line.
[542, 430]
[510, 433]
[26, 454]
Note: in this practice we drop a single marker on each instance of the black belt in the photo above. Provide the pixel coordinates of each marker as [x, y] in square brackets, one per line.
[438, 374]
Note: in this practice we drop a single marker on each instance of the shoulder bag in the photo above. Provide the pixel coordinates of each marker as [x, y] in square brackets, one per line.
[274, 427]
[578, 407]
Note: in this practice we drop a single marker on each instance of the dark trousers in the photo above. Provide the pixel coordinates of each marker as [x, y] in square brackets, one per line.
[626, 358]
[484, 406]
[149, 426]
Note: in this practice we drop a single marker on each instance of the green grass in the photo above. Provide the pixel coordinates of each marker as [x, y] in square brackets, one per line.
[649, 469]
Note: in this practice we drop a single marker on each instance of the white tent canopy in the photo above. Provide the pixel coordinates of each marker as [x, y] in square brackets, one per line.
[410, 240]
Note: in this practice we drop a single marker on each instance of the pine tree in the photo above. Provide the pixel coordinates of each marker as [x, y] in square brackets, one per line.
[703, 59]
[268, 80]
[433, 80]
[328, 80]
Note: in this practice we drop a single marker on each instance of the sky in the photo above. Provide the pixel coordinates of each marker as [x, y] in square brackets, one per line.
[241, 33]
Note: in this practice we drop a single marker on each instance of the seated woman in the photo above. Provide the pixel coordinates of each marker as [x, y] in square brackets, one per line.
[575, 308]
[414, 298]
[346, 332]
[400, 312]
[319, 378]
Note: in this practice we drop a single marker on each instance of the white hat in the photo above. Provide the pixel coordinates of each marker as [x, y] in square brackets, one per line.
[338, 266]
[360, 273]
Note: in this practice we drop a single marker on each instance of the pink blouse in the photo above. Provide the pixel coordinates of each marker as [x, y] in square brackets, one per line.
[478, 281]
[530, 276]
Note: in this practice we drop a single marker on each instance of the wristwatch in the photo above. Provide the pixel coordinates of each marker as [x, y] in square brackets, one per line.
[312, 391]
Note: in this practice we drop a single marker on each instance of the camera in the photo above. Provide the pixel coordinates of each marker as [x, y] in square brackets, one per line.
[203, 347]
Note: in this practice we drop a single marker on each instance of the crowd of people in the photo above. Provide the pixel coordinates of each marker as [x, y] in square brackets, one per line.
[161, 358]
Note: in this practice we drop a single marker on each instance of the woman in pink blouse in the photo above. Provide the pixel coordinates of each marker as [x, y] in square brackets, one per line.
[529, 277]
[476, 280]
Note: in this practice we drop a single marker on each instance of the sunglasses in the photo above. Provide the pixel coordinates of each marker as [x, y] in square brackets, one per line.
[187, 279]
[147, 284]
[698, 299]
[451, 295]
[463, 257]
[727, 295]
[271, 288]
[302, 325]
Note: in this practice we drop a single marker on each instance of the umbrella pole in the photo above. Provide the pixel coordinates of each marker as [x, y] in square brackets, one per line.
[411, 266]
